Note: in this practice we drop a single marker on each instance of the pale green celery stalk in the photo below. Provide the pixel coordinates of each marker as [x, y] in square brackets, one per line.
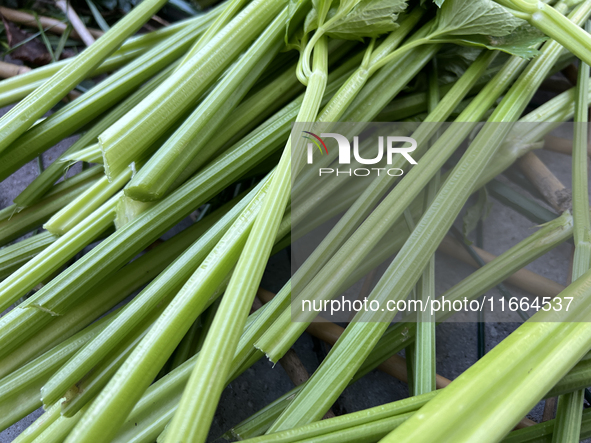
[159, 173]
[128, 210]
[132, 134]
[366, 432]
[18, 87]
[18, 345]
[125, 243]
[90, 200]
[57, 254]
[542, 432]
[425, 363]
[520, 370]
[255, 425]
[14, 256]
[154, 410]
[116, 400]
[91, 154]
[313, 282]
[192, 419]
[230, 10]
[553, 24]
[19, 393]
[134, 313]
[84, 390]
[570, 406]
[241, 120]
[59, 429]
[537, 124]
[13, 224]
[99, 99]
[21, 117]
[402, 334]
[362, 334]
[45, 180]
[35, 429]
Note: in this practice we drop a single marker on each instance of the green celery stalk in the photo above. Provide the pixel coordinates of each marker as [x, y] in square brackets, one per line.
[21, 346]
[425, 358]
[162, 288]
[90, 385]
[18, 87]
[282, 334]
[14, 256]
[522, 368]
[365, 432]
[192, 420]
[24, 384]
[45, 180]
[86, 203]
[21, 117]
[98, 100]
[361, 335]
[139, 370]
[230, 10]
[159, 173]
[570, 406]
[91, 154]
[57, 254]
[126, 242]
[13, 224]
[132, 134]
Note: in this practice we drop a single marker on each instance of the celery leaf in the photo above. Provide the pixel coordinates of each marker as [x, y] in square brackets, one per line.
[366, 18]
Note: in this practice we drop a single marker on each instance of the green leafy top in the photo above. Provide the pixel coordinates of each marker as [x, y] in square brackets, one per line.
[462, 17]
[485, 23]
[366, 18]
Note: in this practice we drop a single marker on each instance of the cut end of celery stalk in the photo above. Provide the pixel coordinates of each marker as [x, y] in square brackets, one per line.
[142, 194]
[112, 170]
[128, 210]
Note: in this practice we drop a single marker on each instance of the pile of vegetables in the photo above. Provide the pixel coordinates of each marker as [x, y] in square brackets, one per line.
[195, 118]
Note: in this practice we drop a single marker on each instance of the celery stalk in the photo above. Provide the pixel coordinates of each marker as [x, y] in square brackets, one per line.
[21, 117]
[570, 406]
[19, 345]
[99, 99]
[87, 202]
[14, 256]
[145, 362]
[327, 383]
[57, 254]
[13, 223]
[45, 180]
[159, 173]
[132, 134]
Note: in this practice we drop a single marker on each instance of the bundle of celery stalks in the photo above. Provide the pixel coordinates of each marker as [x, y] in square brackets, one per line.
[197, 116]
